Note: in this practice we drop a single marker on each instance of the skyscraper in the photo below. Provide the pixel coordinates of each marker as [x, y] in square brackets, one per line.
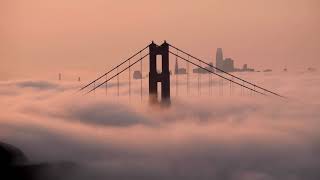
[219, 59]
[178, 70]
[228, 65]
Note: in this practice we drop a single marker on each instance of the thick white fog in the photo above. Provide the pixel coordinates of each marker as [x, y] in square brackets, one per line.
[225, 137]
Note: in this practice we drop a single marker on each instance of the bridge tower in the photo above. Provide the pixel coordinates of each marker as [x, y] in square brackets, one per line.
[163, 77]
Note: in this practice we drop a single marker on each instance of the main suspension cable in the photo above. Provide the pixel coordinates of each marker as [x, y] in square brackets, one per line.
[118, 73]
[113, 68]
[227, 72]
[217, 74]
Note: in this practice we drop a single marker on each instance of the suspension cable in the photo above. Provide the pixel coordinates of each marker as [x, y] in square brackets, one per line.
[94, 85]
[106, 85]
[227, 72]
[217, 74]
[177, 73]
[113, 68]
[141, 77]
[222, 90]
[117, 82]
[230, 88]
[187, 76]
[118, 73]
[129, 81]
[199, 80]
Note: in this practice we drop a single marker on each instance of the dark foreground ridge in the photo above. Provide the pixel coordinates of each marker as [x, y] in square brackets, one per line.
[14, 165]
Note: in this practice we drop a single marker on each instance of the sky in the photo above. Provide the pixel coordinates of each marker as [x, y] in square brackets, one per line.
[40, 38]
[228, 133]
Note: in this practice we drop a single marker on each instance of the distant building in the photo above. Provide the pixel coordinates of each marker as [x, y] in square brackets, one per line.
[246, 69]
[203, 70]
[178, 70]
[310, 69]
[219, 58]
[137, 75]
[228, 65]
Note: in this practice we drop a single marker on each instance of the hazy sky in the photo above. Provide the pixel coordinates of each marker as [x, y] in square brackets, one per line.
[51, 36]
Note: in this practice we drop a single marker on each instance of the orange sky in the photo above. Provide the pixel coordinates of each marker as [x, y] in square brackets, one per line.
[51, 36]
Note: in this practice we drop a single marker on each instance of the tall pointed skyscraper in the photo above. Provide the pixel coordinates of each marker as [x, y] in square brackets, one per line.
[176, 68]
[219, 59]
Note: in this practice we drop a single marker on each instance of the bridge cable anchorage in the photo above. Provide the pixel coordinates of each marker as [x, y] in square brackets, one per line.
[117, 74]
[217, 74]
[258, 87]
[84, 87]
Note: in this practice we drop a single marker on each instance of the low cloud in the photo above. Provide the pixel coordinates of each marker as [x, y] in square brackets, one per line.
[207, 137]
[41, 85]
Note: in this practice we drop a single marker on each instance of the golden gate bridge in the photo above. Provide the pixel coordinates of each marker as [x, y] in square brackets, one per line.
[161, 79]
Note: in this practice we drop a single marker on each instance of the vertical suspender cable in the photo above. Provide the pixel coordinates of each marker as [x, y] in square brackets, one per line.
[141, 76]
[221, 86]
[129, 80]
[242, 90]
[209, 87]
[117, 81]
[200, 78]
[106, 85]
[187, 76]
[177, 73]
[230, 88]
[211, 84]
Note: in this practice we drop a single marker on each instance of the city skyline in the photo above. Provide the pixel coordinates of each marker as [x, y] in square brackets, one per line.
[63, 37]
[177, 90]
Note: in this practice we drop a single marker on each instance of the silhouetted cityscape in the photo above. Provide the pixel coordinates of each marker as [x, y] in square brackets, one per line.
[227, 64]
